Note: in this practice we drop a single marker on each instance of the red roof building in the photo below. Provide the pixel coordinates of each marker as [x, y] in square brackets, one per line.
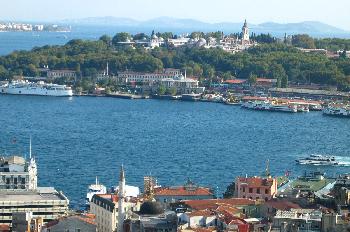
[178, 193]
[256, 188]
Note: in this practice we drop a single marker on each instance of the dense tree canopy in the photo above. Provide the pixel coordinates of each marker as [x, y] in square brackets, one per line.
[270, 60]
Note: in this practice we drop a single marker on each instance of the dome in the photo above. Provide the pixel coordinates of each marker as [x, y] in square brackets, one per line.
[151, 208]
[154, 36]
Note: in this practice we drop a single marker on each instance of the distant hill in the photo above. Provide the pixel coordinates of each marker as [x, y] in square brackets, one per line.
[313, 28]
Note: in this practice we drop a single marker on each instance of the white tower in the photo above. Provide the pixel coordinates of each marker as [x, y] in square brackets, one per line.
[245, 33]
[32, 169]
[121, 196]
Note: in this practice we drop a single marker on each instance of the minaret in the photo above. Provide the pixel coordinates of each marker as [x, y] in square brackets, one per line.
[32, 169]
[245, 33]
[121, 196]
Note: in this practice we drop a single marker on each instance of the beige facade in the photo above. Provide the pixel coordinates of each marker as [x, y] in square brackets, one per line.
[127, 77]
[256, 188]
[105, 207]
[61, 73]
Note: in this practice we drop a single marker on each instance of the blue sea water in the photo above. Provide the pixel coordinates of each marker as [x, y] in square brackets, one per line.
[76, 139]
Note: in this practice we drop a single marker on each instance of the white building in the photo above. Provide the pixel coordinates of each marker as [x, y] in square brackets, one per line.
[19, 191]
[178, 42]
[111, 209]
[183, 85]
[18, 173]
[128, 76]
[61, 73]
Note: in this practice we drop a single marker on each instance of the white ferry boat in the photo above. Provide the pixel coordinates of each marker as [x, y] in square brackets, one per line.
[318, 160]
[96, 188]
[338, 111]
[39, 89]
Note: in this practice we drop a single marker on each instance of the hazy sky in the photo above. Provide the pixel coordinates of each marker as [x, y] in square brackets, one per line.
[336, 12]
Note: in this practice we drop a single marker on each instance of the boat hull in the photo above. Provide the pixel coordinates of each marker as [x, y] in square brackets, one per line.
[37, 92]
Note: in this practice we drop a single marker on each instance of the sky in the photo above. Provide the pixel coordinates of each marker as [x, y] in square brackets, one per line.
[335, 13]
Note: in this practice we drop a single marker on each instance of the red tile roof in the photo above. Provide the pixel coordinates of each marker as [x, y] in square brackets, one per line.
[201, 229]
[256, 181]
[227, 209]
[4, 228]
[112, 197]
[235, 81]
[214, 203]
[183, 191]
[282, 205]
[203, 213]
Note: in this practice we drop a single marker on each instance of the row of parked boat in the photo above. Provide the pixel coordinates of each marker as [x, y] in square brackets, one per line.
[280, 104]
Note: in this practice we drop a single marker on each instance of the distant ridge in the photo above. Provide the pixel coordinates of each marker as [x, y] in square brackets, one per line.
[314, 28]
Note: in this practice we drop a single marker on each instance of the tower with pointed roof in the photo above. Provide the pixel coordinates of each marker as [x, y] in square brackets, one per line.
[121, 196]
[245, 33]
[32, 169]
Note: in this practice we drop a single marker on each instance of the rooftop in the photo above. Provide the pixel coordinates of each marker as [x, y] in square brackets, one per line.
[235, 81]
[40, 195]
[282, 204]
[214, 203]
[256, 181]
[183, 191]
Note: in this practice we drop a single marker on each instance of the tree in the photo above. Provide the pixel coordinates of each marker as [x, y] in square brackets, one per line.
[303, 41]
[252, 79]
[161, 90]
[120, 37]
[230, 191]
[172, 91]
[106, 39]
[197, 35]
[3, 73]
[226, 76]
[140, 36]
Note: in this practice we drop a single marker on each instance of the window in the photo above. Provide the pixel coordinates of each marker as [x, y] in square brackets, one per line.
[266, 191]
[258, 190]
[244, 189]
[250, 190]
[77, 230]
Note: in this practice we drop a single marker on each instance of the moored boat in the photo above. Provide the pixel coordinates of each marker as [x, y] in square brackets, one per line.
[191, 97]
[318, 160]
[337, 111]
[39, 89]
[93, 189]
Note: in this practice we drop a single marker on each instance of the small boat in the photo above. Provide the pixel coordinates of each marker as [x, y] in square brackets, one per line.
[191, 97]
[337, 111]
[318, 160]
[125, 96]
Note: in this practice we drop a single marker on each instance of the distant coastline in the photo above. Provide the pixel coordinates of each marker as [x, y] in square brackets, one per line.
[27, 27]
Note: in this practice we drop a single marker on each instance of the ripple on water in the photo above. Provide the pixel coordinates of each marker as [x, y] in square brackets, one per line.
[76, 139]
